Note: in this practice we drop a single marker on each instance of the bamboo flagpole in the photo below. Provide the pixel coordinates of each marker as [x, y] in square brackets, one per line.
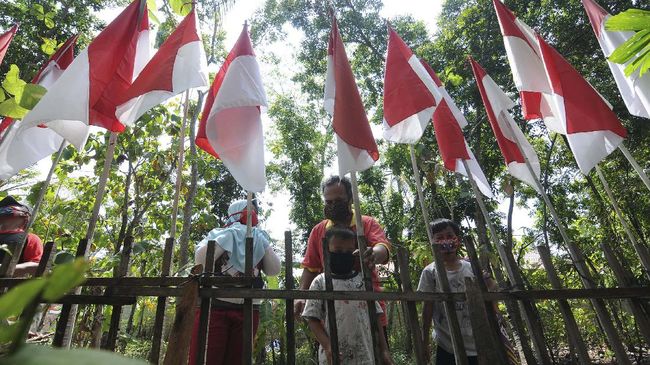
[640, 249]
[248, 303]
[534, 327]
[635, 165]
[441, 272]
[365, 271]
[46, 185]
[179, 167]
[580, 265]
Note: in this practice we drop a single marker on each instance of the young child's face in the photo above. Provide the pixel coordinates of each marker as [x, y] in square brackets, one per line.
[340, 245]
[341, 257]
[447, 239]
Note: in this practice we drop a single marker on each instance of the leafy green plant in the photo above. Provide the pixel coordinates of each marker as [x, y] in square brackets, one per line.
[17, 97]
[635, 50]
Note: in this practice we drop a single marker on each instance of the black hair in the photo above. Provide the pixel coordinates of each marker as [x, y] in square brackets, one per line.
[335, 180]
[343, 233]
[441, 223]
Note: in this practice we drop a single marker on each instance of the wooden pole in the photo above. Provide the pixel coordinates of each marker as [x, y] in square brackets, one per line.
[331, 310]
[154, 354]
[46, 185]
[411, 307]
[367, 277]
[635, 165]
[585, 275]
[204, 316]
[640, 249]
[179, 167]
[289, 285]
[116, 314]
[248, 303]
[441, 272]
[535, 328]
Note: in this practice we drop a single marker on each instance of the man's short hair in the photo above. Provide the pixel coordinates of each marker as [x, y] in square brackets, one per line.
[335, 180]
[343, 233]
[442, 223]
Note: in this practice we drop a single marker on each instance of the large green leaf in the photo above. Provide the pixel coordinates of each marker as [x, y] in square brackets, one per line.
[181, 7]
[39, 355]
[629, 20]
[12, 82]
[13, 303]
[153, 11]
[65, 277]
[49, 46]
[32, 93]
[9, 108]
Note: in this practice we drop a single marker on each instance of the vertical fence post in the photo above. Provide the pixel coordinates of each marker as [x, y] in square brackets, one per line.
[248, 307]
[204, 316]
[154, 355]
[331, 310]
[411, 307]
[288, 283]
[487, 351]
[116, 314]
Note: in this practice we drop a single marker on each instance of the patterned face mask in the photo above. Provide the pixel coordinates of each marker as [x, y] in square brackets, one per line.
[448, 245]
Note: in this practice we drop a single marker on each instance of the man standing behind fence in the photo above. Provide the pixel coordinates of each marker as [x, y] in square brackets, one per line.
[337, 194]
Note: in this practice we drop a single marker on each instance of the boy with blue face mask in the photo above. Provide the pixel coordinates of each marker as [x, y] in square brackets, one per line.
[352, 322]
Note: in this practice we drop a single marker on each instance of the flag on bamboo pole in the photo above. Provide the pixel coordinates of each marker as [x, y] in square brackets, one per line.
[26, 146]
[180, 64]
[448, 122]
[552, 89]
[409, 93]
[356, 147]
[88, 91]
[231, 124]
[635, 90]
[5, 40]
[513, 144]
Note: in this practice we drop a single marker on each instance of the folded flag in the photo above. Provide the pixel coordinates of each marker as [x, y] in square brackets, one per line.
[448, 122]
[408, 93]
[180, 64]
[231, 124]
[88, 91]
[25, 146]
[356, 147]
[635, 90]
[513, 144]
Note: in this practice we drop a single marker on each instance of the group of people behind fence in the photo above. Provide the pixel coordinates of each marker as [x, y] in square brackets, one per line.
[353, 322]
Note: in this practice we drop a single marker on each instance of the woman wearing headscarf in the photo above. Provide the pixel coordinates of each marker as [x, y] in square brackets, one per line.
[225, 343]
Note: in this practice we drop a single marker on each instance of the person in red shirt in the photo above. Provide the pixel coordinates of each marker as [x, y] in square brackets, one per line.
[14, 218]
[337, 193]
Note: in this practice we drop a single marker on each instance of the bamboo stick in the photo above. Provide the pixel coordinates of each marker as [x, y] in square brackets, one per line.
[411, 307]
[331, 308]
[154, 354]
[635, 165]
[248, 332]
[179, 167]
[289, 285]
[116, 314]
[204, 316]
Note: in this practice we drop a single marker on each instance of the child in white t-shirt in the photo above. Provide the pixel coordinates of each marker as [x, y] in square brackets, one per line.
[446, 234]
[352, 321]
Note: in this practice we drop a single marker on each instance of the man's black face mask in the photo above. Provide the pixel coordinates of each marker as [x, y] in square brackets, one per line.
[341, 263]
[338, 211]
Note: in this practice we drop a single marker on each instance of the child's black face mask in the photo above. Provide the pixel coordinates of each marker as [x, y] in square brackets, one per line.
[341, 263]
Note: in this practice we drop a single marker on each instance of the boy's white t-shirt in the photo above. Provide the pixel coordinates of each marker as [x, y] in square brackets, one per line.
[440, 332]
[352, 322]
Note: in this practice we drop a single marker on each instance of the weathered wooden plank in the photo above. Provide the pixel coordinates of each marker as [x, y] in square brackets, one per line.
[331, 310]
[116, 313]
[46, 260]
[204, 316]
[179, 343]
[154, 355]
[289, 285]
[248, 306]
[486, 350]
[411, 309]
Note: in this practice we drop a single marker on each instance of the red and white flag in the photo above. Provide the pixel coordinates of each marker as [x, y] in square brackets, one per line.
[5, 40]
[635, 90]
[231, 124]
[88, 91]
[448, 122]
[356, 147]
[550, 88]
[26, 146]
[409, 92]
[179, 65]
[513, 144]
